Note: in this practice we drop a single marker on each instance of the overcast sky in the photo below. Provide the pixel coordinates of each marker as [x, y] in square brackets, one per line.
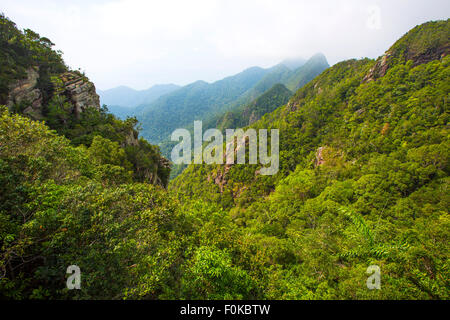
[140, 43]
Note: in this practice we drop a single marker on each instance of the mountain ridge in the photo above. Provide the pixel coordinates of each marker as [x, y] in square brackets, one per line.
[201, 100]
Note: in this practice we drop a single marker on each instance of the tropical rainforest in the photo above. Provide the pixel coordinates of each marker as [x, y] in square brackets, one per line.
[363, 180]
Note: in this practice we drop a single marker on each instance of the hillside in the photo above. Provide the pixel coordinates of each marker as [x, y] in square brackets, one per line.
[246, 115]
[363, 179]
[305, 73]
[292, 73]
[240, 117]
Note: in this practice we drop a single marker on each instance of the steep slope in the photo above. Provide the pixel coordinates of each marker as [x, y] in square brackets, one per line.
[276, 96]
[362, 186]
[293, 73]
[293, 63]
[363, 179]
[322, 103]
[306, 72]
[203, 101]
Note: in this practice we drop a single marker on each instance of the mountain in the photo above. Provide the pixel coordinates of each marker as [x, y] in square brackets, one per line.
[293, 73]
[121, 112]
[293, 63]
[306, 72]
[127, 97]
[363, 180]
[240, 117]
[192, 102]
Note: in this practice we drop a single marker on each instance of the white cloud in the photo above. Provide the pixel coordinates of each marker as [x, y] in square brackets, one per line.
[140, 43]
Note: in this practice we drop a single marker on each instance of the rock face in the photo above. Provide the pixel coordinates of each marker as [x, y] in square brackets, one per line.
[25, 92]
[77, 88]
[80, 91]
[379, 69]
[220, 178]
[131, 139]
[319, 157]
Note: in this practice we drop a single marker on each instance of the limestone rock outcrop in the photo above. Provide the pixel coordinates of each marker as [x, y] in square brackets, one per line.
[80, 91]
[25, 93]
[384, 62]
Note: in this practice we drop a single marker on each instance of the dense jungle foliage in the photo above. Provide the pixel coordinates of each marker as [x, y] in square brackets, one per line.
[363, 180]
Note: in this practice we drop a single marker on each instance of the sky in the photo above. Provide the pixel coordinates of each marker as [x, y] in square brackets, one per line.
[140, 43]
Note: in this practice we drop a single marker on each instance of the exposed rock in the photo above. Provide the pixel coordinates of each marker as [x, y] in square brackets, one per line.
[292, 105]
[430, 55]
[383, 63]
[80, 91]
[316, 87]
[221, 177]
[253, 118]
[379, 69]
[385, 129]
[25, 91]
[132, 139]
[319, 157]
[165, 164]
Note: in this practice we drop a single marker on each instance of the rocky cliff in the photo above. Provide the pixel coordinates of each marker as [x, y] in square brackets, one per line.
[80, 91]
[419, 45]
[25, 94]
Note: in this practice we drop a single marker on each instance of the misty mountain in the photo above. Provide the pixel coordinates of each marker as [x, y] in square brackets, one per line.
[127, 97]
[306, 72]
[204, 101]
[292, 73]
[293, 63]
[194, 101]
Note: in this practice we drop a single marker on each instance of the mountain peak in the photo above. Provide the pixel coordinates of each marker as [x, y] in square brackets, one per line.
[318, 57]
[422, 44]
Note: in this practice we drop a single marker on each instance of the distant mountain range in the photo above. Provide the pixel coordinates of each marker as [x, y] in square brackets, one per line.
[204, 101]
[163, 108]
[122, 100]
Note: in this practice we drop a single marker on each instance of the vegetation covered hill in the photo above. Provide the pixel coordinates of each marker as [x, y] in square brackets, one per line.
[363, 180]
[241, 117]
[123, 101]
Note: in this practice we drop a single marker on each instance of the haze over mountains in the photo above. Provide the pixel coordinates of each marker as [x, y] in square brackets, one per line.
[163, 108]
[128, 97]
[121, 100]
